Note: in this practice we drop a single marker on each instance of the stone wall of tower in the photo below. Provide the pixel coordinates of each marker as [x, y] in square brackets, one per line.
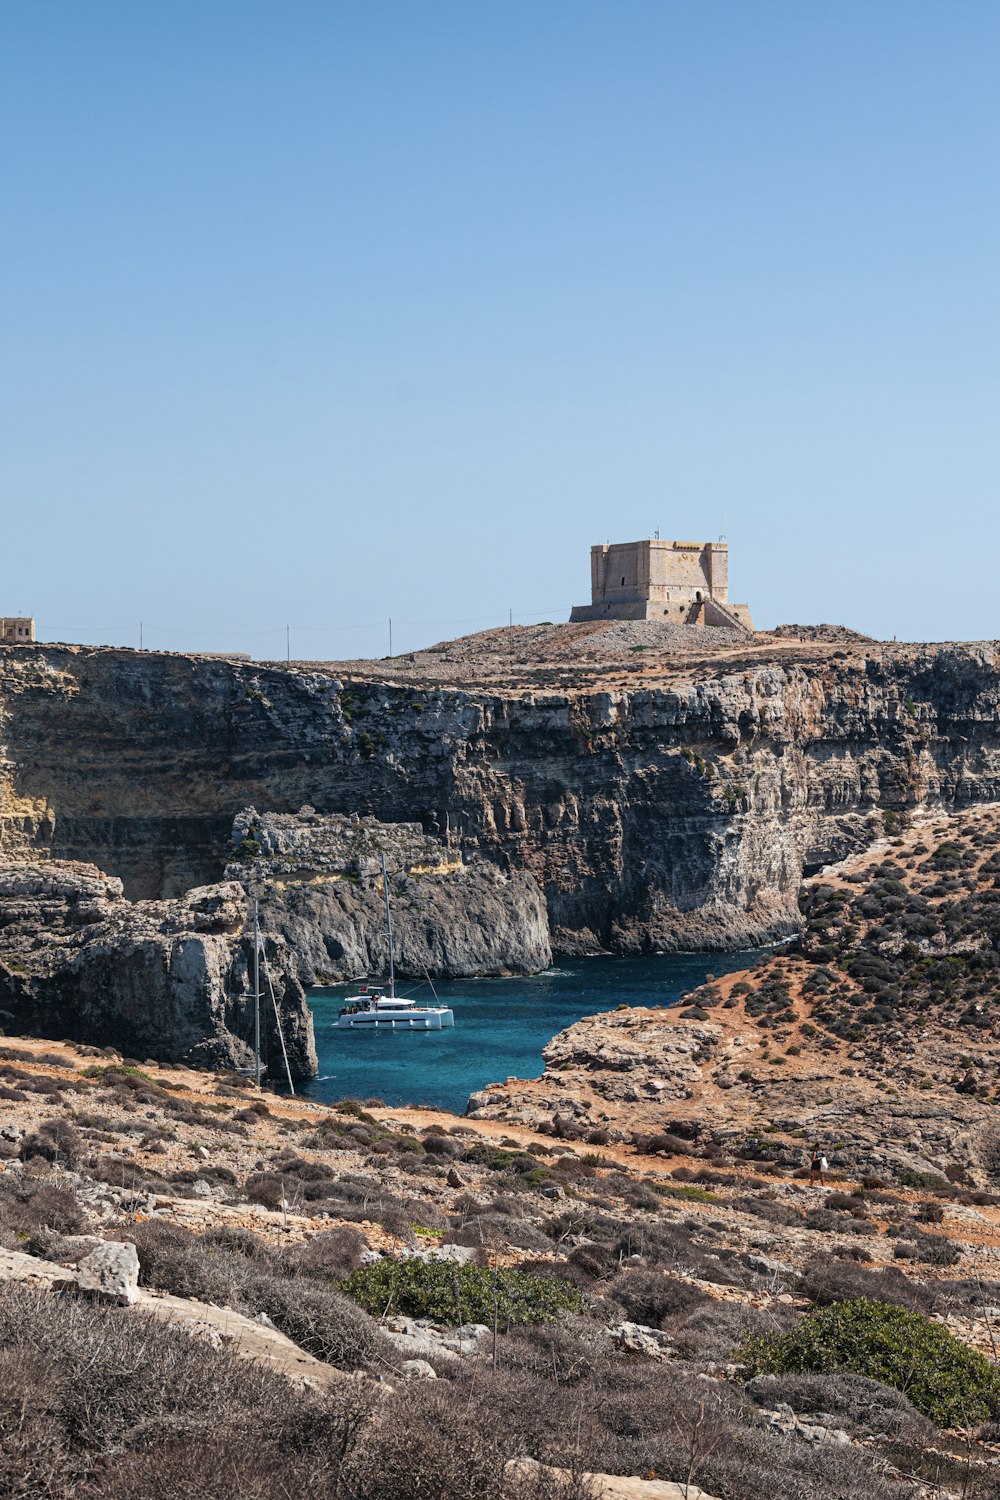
[659, 579]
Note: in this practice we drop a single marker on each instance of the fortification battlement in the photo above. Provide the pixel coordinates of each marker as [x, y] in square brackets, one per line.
[686, 583]
[16, 630]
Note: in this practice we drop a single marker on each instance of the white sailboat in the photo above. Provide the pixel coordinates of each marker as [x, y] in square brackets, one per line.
[372, 1006]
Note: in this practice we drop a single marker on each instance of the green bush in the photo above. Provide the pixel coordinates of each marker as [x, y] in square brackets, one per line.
[686, 1190]
[948, 1382]
[497, 1159]
[450, 1293]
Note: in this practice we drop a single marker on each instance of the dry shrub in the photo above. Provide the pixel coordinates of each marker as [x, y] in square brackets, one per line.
[548, 1412]
[290, 1165]
[100, 1403]
[565, 1352]
[764, 1208]
[40, 1210]
[364, 1199]
[175, 1260]
[426, 1446]
[866, 1408]
[761, 1466]
[653, 1298]
[490, 1231]
[269, 1189]
[827, 1221]
[55, 1140]
[124, 1172]
[717, 1329]
[848, 1203]
[236, 1241]
[669, 1145]
[334, 1253]
[668, 1245]
[230, 1268]
[441, 1145]
[828, 1279]
[597, 1261]
[326, 1324]
[57, 1208]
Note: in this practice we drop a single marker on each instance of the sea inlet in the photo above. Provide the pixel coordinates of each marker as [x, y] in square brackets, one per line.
[501, 1026]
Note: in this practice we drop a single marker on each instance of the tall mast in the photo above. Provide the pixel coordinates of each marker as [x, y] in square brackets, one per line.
[256, 994]
[388, 926]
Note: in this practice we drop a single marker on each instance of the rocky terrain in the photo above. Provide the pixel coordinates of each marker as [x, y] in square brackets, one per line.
[662, 787]
[372, 1303]
[165, 979]
[876, 1032]
[616, 1280]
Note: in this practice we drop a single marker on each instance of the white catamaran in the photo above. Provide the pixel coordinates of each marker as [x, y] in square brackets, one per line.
[372, 1006]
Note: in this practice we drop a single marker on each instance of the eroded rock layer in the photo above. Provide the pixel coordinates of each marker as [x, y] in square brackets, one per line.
[662, 795]
[319, 879]
[171, 980]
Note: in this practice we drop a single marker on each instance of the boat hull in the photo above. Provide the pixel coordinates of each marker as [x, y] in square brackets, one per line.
[424, 1020]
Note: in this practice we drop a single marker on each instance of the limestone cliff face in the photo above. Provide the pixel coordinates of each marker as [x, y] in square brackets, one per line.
[319, 879]
[676, 809]
[169, 980]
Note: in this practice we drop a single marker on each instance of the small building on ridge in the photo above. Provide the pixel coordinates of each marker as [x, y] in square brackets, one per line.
[16, 630]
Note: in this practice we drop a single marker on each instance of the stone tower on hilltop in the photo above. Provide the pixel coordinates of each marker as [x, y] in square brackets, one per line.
[683, 583]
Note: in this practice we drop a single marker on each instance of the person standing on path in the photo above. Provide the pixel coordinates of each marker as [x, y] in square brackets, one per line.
[818, 1168]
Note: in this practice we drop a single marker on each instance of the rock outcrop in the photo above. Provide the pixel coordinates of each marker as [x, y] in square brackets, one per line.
[171, 980]
[669, 796]
[320, 883]
[875, 1033]
[116, 1282]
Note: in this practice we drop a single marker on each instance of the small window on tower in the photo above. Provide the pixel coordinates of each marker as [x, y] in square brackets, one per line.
[623, 580]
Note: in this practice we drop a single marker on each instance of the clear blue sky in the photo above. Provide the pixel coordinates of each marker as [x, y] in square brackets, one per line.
[317, 312]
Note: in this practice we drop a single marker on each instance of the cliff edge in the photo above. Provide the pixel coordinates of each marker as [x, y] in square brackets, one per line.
[663, 787]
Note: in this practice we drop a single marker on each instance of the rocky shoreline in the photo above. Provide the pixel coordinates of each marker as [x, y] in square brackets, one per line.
[875, 1032]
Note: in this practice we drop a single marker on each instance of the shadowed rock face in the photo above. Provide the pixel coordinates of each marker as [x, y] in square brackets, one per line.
[672, 808]
[320, 883]
[169, 980]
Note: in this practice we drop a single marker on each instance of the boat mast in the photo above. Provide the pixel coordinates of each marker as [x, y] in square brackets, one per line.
[256, 994]
[388, 925]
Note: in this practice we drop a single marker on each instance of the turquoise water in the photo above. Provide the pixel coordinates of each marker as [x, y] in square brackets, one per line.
[501, 1026]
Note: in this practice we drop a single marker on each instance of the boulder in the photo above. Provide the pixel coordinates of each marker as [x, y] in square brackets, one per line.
[637, 1338]
[612, 1486]
[31, 1271]
[111, 1272]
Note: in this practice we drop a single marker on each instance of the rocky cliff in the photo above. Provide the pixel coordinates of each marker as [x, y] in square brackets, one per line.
[319, 880]
[171, 980]
[662, 792]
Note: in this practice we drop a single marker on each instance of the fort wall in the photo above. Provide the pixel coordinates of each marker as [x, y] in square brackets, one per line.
[655, 579]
